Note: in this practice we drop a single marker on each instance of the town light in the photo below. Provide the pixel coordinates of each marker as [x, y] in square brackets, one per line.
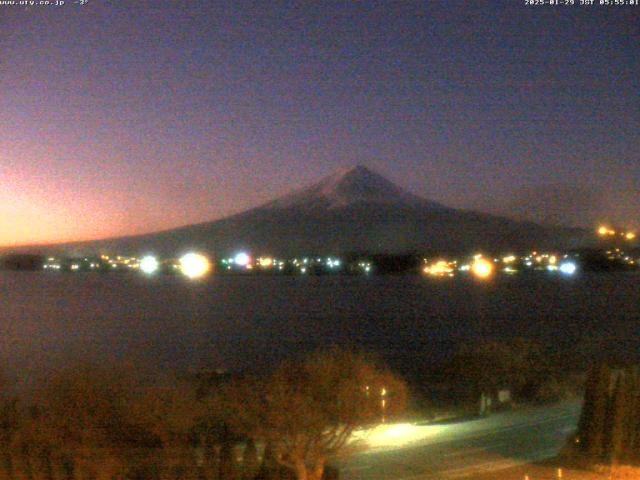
[630, 236]
[482, 268]
[242, 259]
[605, 231]
[149, 264]
[194, 265]
[439, 269]
[265, 261]
[568, 268]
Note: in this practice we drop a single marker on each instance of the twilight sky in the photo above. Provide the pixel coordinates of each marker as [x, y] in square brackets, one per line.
[132, 116]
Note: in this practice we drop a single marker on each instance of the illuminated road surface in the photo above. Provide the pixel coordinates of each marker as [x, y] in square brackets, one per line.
[465, 449]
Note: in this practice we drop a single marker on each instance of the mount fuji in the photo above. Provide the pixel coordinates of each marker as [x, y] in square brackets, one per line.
[348, 187]
[351, 210]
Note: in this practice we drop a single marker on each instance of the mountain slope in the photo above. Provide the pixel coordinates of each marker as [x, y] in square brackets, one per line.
[350, 186]
[350, 210]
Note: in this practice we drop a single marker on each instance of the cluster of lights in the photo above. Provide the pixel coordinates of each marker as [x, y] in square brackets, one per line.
[301, 264]
[121, 262]
[91, 264]
[195, 265]
[265, 262]
[621, 256]
[484, 268]
[440, 268]
[333, 262]
[479, 267]
[52, 264]
[192, 265]
[365, 267]
[509, 262]
[604, 231]
[550, 262]
[243, 261]
[540, 261]
[330, 262]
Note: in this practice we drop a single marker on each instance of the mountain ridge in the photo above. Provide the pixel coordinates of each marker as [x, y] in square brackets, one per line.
[354, 209]
[348, 186]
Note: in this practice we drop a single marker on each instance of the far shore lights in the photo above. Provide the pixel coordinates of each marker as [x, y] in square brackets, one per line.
[242, 259]
[265, 261]
[605, 231]
[568, 268]
[149, 264]
[194, 265]
[482, 268]
[439, 269]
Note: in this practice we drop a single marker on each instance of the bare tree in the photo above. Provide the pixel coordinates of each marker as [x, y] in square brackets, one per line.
[307, 411]
[167, 415]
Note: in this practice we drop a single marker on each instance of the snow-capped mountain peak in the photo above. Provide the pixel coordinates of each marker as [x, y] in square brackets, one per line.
[350, 186]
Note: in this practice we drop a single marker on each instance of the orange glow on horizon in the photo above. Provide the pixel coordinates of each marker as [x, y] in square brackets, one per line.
[37, 220]
[44, 202]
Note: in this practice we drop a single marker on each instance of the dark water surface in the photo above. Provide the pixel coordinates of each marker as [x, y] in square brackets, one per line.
[239, 322]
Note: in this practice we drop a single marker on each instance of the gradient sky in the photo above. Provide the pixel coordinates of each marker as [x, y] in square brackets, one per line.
[132, 116]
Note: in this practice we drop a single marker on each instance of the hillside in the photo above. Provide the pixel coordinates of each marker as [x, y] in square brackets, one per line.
[351, 210]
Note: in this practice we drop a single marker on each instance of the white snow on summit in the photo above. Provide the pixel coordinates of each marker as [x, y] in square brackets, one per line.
[350, 186]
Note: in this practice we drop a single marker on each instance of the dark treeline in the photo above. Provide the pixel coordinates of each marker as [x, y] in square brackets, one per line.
[531, 372]
[383, 263]
[609, 428]
[22, 262]
[599, 260]
[98, 423]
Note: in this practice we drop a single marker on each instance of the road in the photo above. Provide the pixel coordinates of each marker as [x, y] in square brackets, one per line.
[463, 449]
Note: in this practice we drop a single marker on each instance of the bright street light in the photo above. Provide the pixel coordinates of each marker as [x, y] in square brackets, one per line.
[149, 264]
[194, 265]
[482, 268]
[568, 268]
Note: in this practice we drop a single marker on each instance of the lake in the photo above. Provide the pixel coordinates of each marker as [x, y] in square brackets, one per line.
[237, 322]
